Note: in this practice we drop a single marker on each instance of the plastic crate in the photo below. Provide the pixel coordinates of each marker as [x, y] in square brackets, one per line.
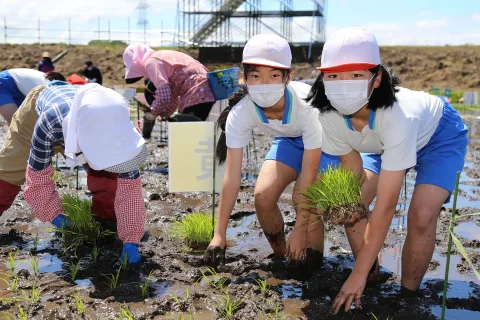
[223, 82]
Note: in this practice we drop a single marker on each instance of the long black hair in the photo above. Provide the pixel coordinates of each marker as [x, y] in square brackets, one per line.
[221, 148]
[382, 97]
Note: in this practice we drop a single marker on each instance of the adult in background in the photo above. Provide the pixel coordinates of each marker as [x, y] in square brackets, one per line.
[46, 64]
[92, 73]
[15, 84]
[180, 82]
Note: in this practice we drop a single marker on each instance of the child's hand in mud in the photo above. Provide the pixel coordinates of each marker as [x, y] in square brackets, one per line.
[351, 292]
[215, 253]
[297, 244]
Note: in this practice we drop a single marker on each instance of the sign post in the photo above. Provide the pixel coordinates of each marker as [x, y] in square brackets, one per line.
[192, 165]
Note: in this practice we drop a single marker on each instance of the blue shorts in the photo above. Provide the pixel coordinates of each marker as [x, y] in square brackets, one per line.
[9, 92]
[289, 151]
[440, 159]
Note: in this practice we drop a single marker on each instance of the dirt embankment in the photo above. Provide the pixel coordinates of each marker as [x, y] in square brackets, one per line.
[420, 68]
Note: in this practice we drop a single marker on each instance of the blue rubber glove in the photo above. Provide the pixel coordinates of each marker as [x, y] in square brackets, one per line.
[61, 220]
[131, 250]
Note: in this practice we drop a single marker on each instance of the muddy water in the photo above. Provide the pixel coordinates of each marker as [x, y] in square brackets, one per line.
[174, 270]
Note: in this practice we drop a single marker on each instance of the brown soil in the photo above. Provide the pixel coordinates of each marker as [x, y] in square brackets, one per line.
[346, 212]
[173, 270]
[420, 68]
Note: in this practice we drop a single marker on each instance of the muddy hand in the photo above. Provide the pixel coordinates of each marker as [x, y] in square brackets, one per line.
[215, 253]
[351, 292]
[297, 245]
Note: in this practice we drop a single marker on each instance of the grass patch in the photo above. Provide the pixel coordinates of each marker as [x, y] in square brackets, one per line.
[338, 194]
[195, 229]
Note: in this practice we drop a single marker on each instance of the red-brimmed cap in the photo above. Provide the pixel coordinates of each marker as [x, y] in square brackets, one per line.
[350, 49]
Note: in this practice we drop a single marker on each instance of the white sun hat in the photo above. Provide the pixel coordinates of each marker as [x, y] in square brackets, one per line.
[350, 49]
[268, 50]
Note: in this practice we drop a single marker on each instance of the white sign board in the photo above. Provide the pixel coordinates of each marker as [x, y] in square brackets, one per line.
[191, 148]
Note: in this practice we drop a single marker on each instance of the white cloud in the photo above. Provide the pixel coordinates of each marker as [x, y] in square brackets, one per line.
[431, 24]
[423, 14]
[476, 17]
[424, 32]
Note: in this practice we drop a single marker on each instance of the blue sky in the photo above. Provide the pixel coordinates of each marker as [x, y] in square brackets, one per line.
[406, 22]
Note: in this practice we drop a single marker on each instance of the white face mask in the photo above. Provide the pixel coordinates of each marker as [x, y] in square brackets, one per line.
[348, 96]
[266, 95]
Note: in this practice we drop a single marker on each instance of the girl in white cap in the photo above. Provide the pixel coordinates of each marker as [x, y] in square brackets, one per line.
[276, 106]
[364, 110]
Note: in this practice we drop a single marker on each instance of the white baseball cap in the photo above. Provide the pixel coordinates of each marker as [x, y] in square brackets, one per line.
[350, 49]
[268, 50]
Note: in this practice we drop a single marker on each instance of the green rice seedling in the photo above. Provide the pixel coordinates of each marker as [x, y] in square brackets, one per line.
[113, 279]
[181, 302]
[34, 295]
[34, 264]
[124, 264]
[263, 285]
[11, 283]
[35, 242]
[14, 283]
[22, 315]
[216, 282]
[338, 194]
[95, 253]
[79, 303]
[226, 306]
[375, 317]
[144, 285]
[126, 313]
[11, 260]
[74, 268]
[195, 229]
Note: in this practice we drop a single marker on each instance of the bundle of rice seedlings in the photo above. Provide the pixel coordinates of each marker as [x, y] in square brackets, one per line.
[79, 213]
[83, 227]
[195, 229]
[338, 194]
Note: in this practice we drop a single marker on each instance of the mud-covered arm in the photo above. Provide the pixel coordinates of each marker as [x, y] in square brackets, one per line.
[230, 188]
[130, 208]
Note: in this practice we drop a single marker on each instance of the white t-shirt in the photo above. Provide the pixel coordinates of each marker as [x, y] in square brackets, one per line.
[299, 120]
[27, 79]
[397, 133]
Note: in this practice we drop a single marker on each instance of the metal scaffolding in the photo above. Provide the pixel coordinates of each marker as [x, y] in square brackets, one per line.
[233, 22]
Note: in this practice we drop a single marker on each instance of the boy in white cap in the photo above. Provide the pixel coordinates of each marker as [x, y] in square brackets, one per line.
[276, 106]
[93, 124]
[364, 110]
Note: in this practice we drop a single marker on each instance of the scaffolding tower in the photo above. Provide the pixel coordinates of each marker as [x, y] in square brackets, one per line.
[233, 22]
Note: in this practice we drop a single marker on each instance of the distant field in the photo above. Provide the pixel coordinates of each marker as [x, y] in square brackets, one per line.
[420, 68]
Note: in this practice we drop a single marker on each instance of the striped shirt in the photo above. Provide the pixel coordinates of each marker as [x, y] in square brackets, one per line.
[52, 107]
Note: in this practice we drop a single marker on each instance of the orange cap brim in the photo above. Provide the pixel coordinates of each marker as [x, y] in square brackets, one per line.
[348, 67]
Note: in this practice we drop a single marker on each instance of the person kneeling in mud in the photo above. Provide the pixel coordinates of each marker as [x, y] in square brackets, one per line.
[276, 106]
[93, 124]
